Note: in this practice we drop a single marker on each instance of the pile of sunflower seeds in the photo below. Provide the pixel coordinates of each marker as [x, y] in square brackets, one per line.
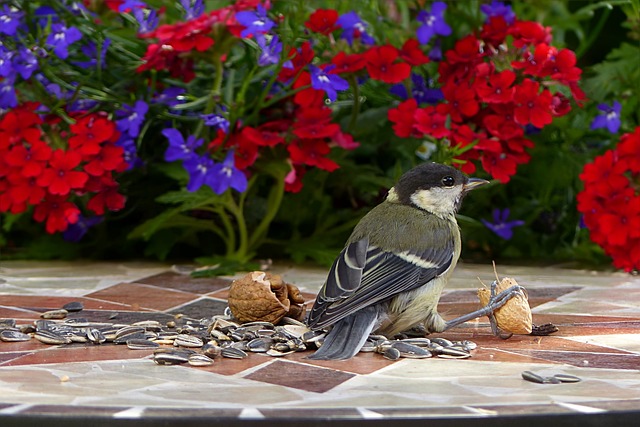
[199, 341]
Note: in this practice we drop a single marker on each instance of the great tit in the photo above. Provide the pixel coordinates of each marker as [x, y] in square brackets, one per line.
[393, 268]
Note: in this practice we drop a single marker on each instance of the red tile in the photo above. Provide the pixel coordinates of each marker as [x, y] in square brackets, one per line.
[6, 357]
[80, 353]
[140, 296]
[186, 283]
[300, 376]
[587, 360]
[362, 363]
[13, 313]
[226, 366]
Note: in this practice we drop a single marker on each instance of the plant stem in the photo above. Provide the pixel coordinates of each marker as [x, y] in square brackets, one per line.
[274, 201]
[593, 35]
[355, 111]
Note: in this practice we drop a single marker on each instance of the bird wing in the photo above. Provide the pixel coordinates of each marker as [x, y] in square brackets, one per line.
[364, 275]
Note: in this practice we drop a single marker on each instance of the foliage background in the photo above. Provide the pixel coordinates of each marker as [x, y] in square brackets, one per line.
[314, 223]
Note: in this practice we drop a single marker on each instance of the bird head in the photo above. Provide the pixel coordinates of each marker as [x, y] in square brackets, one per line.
[433, 187]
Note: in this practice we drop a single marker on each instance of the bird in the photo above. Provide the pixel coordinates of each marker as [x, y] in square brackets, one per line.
[393, 268]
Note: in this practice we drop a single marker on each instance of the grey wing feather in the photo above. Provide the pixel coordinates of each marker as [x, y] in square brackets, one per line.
[384, 275]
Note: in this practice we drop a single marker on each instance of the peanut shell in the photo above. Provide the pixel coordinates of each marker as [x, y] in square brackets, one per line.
[515, 315]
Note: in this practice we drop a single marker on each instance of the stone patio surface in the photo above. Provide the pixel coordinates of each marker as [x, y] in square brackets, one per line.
[597, 313]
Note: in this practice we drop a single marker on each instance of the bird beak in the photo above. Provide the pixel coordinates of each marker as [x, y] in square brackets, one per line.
[474, 183]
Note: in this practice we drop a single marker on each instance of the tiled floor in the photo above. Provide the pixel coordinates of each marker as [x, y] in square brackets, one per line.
[598, 316]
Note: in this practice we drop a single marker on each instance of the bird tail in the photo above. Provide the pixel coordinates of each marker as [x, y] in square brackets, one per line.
[347, 336]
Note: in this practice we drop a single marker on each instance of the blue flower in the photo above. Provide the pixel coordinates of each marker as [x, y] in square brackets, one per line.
[179, 149]
[216, 121]
[433, 23]
[420, 91]
[256, 22]
[201, 171]
[75, 232]
[91, 52]
[133, 117]
[130, 152]
[330, 83]
[500, 225]
[147, 19]
[497, 8]
[10, 20]
[192, 8]
[53, 88]
[609, 119]
[226, 175]
[25, 62]
[6, 66]
[353, 26]
[128, 5]
[435, 54]
[170, 96]
[270, 52]
[8, 98]
[61, 38]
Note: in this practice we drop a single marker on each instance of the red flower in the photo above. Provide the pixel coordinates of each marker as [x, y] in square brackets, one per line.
[347, 63]
[32, 160]
[382, 66]
[59, 177]
[312, 152]
[462, 101]
[412, 54]
[299, 59]
[186, 36]
[531, 106]
[501, 127]
[501, 166]
[563, 68]
[262, 138]
[323, 21]
[402, 118]
[109, 158]
[431, 122]
[529, 33]
[497, 88]
[19, 124]
[629, 150]
[494, 30]
[307, 97]
[58, 212]
[466, 49]
[107, 196]
[91, 131]
[24, 190]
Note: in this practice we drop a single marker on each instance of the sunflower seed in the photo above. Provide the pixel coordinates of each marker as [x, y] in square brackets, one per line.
[10, 335]
[27, 329]
[55, 314]
[276, 353]
[411, 351]
[551, 380]
[200, 360]
[391, 353]
[129, 330]
[7, 323]
[73, 306]
[566, 378]
[52, 338]
[259, 345]
[191, 341]
[76, 323]
[138, 344]
[453, 353]
[419, 341]
[95, 336]
[532, 377]
[368, 347]
[233, 353]
[442, 341]
[149, 325]
[170, 358]
[135, 336]
[211, 349]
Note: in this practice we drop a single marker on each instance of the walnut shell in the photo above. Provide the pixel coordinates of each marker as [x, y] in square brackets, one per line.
[515, 315]
[260, 296]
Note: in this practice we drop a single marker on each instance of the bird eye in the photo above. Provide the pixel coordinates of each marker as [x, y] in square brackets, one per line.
[448, 181]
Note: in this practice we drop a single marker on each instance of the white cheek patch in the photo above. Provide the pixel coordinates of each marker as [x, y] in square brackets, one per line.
[437, 200]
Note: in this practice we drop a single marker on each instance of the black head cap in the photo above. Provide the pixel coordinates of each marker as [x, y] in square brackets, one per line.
[426, 176]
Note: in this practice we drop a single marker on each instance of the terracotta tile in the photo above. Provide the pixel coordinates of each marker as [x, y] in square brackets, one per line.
[225, 366]
[80, 353]
[31, 345]
[362, 363]
[41, 303]
[204, 307]
[120, 316]
[12, 313]
[185, 283]
[5, 357]
[143, 296]
[590, 360]
[300, 376]
[537, 294]
[495, 355]
[615, 405]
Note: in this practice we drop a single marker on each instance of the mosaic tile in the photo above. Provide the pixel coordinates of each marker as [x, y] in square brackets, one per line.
[143, 296]
[365, 363]
[169, 413]
[300, 376]
[79, 353]
[201, 308]
[79, 411]
[186, 283]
